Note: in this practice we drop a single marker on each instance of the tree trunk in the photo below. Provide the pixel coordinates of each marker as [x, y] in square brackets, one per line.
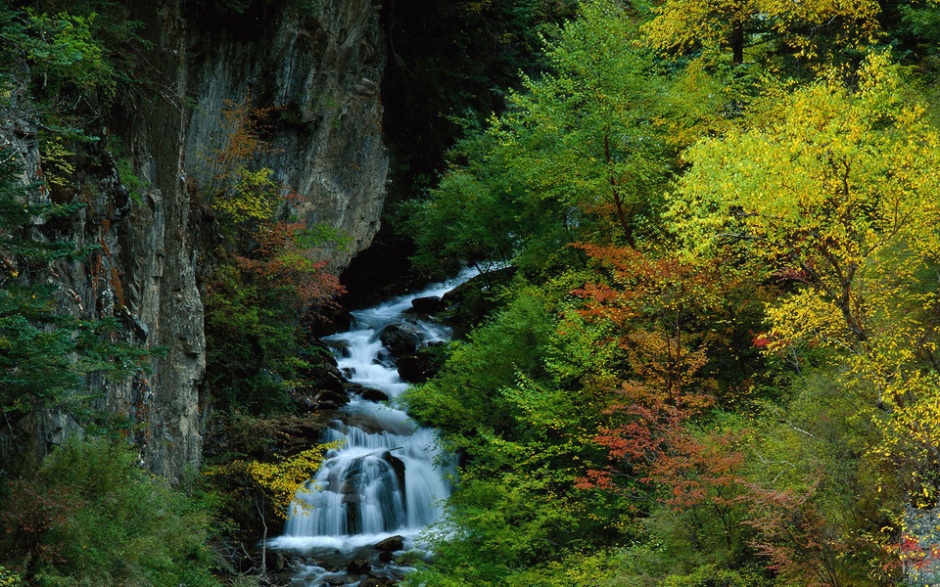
[737, 43]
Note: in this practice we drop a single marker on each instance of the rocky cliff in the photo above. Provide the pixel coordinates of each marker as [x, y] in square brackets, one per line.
[316, 71]
[318, 67]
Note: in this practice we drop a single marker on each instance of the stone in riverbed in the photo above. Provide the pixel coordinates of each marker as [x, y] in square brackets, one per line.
[373, 395]
[330, 400]
[401, 339]
[398, 466]
[414, 368]
[358, 567]
[390, 544]
[428, 305]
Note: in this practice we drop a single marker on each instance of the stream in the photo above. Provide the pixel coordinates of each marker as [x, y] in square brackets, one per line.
[389, 479]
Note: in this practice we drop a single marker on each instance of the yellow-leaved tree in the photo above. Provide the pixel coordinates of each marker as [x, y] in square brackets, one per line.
[806, 28]
[272, 483]
[833, 191]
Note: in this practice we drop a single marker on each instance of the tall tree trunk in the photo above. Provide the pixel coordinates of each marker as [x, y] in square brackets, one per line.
[737, 43]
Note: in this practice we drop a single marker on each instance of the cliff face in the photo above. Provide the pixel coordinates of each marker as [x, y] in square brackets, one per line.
[321, 73]
[317, 73]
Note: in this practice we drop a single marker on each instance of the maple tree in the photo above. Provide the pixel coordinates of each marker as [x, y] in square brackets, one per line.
[656, 430]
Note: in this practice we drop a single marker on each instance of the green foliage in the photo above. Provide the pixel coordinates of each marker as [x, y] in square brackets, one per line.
[45, 353]
[9, 579]
[759, 380]
[266, 280]
[515, 512]
[92, 516]
[478, 369]
[77, 58]
[450, 64]
[125, 167]
[65, 50]
[575, 157]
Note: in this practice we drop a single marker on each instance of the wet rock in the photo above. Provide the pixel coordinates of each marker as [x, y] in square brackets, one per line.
[398, 466]
[390, 544]
[414, 369]
[428, 305]
[373, 582]
[470, 302]
[330, 400]
[366, 418]
[373, 395]
[401, 339]
[275, 561]
[358, 567]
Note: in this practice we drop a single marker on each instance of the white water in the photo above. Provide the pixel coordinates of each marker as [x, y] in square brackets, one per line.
[357, 498]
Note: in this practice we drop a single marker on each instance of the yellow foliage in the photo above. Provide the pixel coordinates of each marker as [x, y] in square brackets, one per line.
[714, 25]
[828, 187]
[55, 160]
[252, 197]
[281, 481]
[834, 192]
[9, 579]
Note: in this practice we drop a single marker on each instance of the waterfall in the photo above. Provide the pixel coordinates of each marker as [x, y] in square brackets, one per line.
[390, 477]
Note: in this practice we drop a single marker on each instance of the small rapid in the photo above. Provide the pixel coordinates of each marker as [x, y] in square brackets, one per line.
[389, 478]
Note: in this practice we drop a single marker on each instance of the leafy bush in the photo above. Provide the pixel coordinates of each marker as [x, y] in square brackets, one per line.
[91, 516]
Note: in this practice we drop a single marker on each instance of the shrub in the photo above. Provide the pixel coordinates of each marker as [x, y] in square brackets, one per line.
[92, 516]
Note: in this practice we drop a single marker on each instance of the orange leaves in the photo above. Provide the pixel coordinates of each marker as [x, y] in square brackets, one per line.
[665, 290]
[656, 305]
[279, 264]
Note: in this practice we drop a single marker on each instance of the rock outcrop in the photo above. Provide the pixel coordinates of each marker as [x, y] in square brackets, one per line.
[316, 73]
[320, 71]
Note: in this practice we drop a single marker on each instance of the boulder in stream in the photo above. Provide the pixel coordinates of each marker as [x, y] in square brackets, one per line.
[414, 368]
[428, 305]
[398, 466]
[358, 567]
[390, 544]
[373, 395]
[401, 339]
[330, 400]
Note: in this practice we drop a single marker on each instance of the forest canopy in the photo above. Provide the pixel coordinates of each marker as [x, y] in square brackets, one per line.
[717, 363]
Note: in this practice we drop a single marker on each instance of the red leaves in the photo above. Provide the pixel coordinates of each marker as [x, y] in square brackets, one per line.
[652, 440]
[653, 302]
[278, 264]
[794, 535]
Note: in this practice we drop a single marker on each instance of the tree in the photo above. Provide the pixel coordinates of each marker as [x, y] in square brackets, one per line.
[92, 516]
[44, 353]
[576, 156]
[825, 186]
[266, 280]
[806, 28]
[828, 191]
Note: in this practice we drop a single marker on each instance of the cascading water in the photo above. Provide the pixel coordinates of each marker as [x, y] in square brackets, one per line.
[389, 478]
